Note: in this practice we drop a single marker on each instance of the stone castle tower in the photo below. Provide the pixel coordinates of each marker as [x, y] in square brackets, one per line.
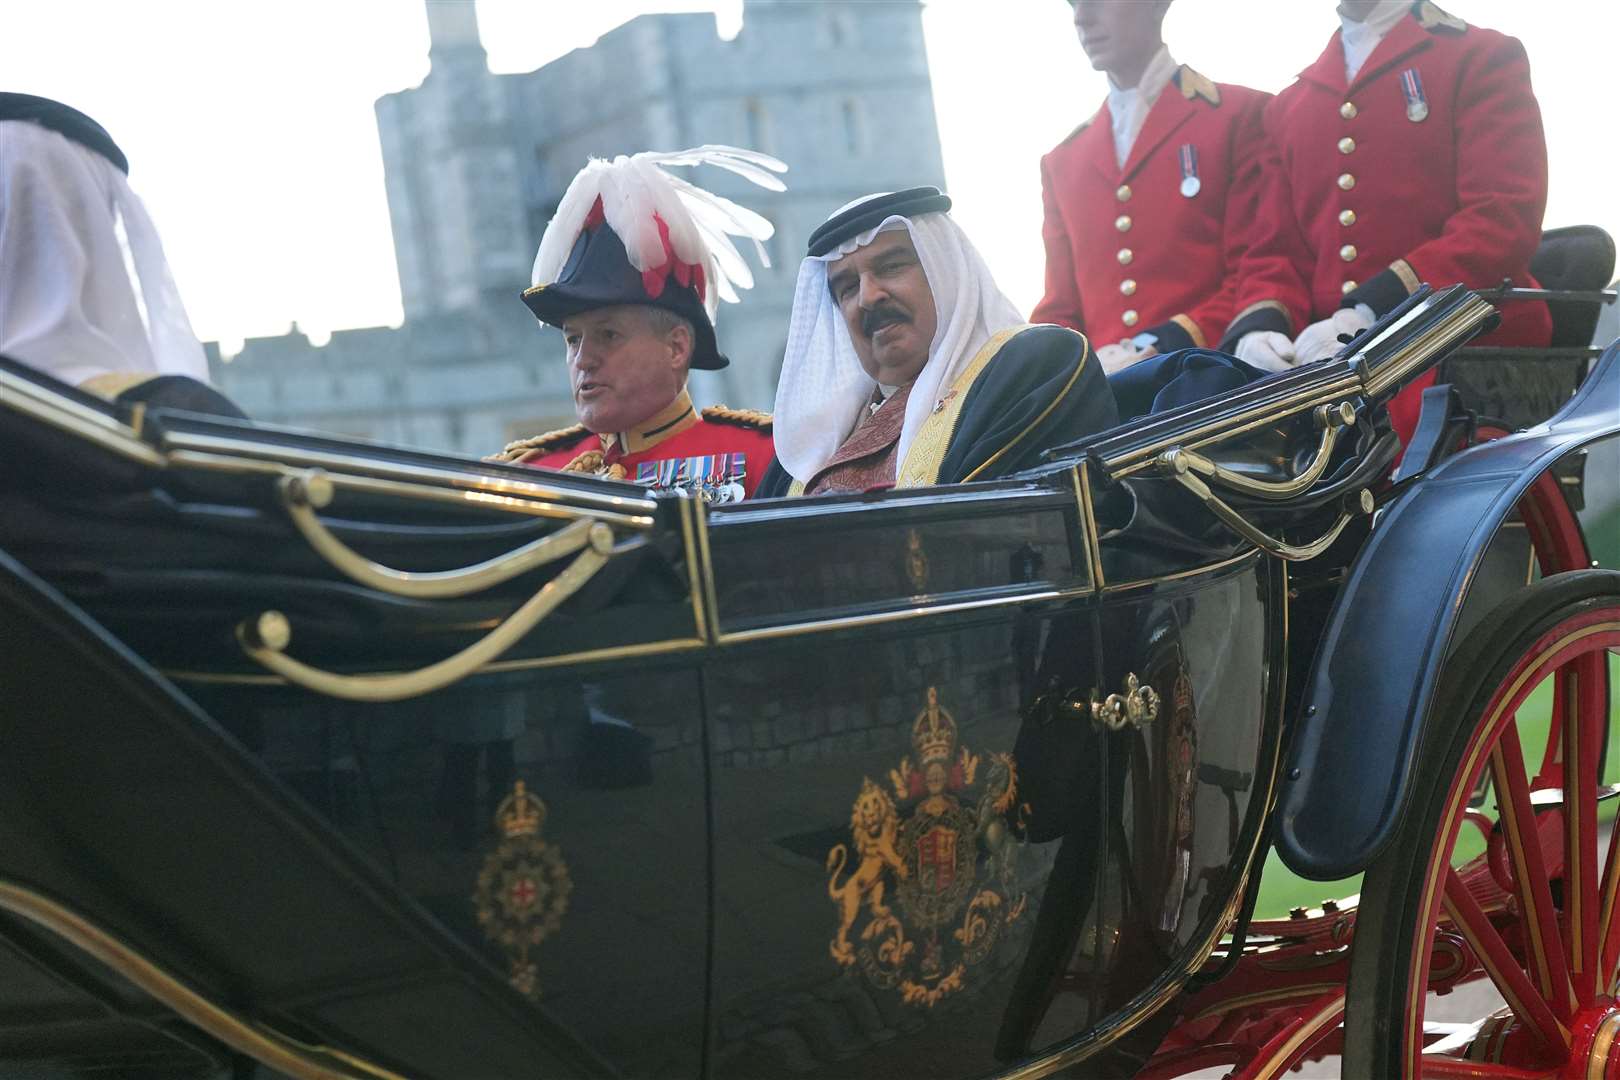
[476, 163]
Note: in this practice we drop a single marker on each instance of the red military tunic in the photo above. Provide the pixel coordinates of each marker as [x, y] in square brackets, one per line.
[1128, 250]
[1430, 166]
[718, 455]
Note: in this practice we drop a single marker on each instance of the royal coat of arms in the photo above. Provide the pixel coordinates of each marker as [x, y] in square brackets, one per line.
[933, 885]
[523, 888]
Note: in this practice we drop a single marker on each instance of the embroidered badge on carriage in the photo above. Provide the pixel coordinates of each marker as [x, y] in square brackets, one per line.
[934, 881]
[714, 478]
[523, 888]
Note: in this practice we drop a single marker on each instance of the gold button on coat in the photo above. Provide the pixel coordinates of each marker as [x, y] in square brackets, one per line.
[1129, 318]
[1348, 287]
[1346, 181]
[1347, 145]
[1123, 193]
[1125, 256]
[1347, 217]
[1348, 253]
[1128, 286]
[1123, 223]
[1348, 110]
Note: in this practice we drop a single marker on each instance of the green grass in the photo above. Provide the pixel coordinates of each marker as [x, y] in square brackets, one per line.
[1281, 890]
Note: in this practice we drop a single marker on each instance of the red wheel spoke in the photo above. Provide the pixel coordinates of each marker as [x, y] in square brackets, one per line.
[1582, 684]
[1544, 943]
[1515, 986]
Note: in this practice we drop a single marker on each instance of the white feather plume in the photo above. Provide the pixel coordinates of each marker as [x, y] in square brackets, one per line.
[701, 224]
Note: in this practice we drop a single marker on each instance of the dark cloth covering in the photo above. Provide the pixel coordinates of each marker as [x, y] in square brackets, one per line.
[64, 120]
[181, 392]
[1172, 380]
[1033, 372]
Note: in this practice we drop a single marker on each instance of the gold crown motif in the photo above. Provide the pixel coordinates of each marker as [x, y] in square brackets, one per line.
[520, 813]
[933, 734]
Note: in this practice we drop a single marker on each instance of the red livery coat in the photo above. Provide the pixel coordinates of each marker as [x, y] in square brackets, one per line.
[1430, 166]
[1126, 250]
[662, 457]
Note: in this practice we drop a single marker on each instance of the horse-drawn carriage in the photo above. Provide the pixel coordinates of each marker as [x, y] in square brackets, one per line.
[347, 761]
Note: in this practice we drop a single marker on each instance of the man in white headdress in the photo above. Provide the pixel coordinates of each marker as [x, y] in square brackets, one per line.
[631, 269]
[86, 295]
[906, 366]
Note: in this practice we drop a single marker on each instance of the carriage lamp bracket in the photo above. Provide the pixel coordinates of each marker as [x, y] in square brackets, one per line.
[266, 636]
[307, 491]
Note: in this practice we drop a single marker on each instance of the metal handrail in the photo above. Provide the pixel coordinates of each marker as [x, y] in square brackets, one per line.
[265, 636]
[303, 493]
[1333, 419]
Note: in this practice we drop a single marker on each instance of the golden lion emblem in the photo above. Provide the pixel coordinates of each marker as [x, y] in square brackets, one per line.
[874, 824]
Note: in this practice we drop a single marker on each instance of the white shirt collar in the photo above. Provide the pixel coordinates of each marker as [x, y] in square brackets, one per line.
[1128, 108]
[1359, 39]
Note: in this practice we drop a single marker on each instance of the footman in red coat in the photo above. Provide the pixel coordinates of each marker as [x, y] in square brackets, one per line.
[1410, 152]
[1146, 202]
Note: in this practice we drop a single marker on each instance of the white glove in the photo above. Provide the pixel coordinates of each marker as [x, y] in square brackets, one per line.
[1115, 358]
[1266, 350]
[1320, 340]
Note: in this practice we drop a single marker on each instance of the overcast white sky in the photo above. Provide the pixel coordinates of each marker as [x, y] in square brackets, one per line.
[251, 135]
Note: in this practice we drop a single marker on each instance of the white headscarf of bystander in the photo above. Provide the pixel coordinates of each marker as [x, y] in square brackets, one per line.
[823, 387]
[84, 287]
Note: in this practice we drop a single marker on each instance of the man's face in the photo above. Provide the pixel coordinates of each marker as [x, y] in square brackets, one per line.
[1118, 34]
[621, 370]
[886, 303]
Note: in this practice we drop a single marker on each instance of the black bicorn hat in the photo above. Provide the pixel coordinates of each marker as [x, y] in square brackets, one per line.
[598, 274]
[871, 212]
[66, 121]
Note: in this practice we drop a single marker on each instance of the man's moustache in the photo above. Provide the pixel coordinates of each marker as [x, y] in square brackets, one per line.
[878, 318]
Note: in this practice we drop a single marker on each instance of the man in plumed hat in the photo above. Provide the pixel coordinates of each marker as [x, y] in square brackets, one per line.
[906, 366]
[1410, 151]
[86, 295]
[631, 269]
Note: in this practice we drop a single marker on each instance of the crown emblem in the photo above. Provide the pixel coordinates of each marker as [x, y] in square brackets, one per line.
[520, 813]
[933, 734]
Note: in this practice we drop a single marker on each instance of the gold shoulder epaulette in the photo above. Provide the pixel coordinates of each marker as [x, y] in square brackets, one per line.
[513, 451]
[1432, 18]
[749, 418]
[1195, 85]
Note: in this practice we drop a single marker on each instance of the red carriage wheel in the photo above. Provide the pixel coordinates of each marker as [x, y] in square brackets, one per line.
[1550, 939]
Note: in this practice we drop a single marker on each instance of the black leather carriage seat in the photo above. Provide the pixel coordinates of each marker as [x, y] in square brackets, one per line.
[1574, 257]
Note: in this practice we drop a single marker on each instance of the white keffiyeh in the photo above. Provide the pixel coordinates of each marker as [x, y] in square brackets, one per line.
[84, 287]
[823, 387]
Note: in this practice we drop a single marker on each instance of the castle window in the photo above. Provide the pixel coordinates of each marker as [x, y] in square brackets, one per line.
[854, 127]
[759, 126]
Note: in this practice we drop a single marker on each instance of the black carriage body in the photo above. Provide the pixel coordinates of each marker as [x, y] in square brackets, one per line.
[949, 783]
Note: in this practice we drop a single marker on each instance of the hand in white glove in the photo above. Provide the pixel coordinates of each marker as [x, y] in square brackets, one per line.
[1115, 358]
[1266, 350]
[1320, 340]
